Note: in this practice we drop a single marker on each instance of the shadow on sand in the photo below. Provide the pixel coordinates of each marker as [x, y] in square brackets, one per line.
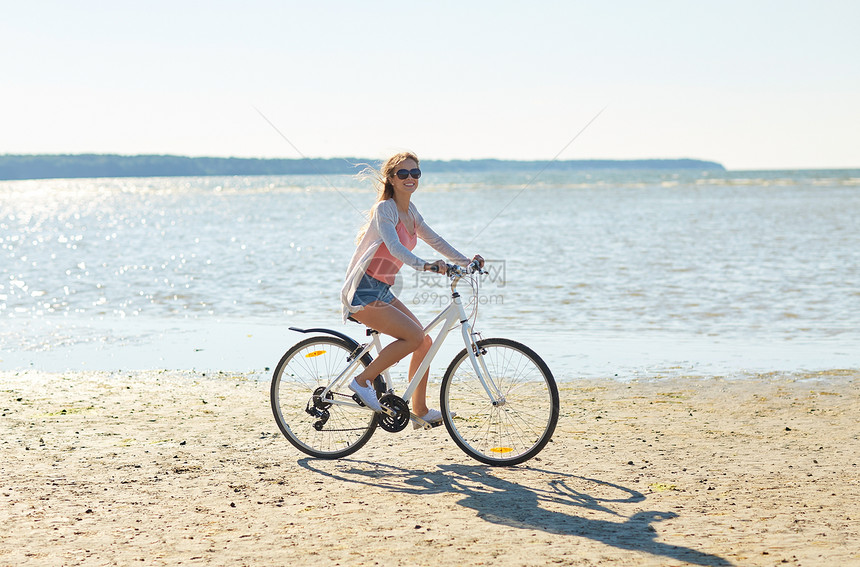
[506, 503]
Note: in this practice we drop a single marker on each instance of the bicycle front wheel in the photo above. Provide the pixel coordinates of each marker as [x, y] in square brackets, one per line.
[523, 419]
[312, 423]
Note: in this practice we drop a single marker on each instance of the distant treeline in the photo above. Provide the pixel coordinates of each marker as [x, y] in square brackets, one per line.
[107, 165]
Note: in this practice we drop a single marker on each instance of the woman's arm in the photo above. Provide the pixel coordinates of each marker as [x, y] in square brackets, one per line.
[385, 219]
[438, 243]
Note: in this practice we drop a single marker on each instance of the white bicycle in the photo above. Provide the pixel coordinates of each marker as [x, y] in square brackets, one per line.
[499, 400]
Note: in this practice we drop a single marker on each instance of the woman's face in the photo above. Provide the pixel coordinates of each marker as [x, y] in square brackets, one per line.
[408, 185]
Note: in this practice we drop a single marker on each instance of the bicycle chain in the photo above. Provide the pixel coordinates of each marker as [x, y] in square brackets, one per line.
[333, 393]
[393, 425]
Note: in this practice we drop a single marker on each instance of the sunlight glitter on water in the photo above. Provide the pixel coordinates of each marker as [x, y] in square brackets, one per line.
[770, 258]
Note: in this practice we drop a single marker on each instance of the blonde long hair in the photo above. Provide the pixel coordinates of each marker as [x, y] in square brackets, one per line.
[382, 179]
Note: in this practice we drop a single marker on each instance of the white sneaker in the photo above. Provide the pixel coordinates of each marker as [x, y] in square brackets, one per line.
[433, 416]
[367, 394]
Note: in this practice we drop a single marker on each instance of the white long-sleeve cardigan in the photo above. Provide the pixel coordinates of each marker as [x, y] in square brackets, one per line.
[383, 229]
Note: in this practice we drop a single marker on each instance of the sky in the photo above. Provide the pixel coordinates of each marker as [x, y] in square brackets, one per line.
[750, 84]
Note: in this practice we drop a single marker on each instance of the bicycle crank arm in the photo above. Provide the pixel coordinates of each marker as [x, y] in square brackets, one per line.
[387, 411]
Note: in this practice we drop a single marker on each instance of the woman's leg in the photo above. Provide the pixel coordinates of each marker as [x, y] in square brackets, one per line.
[391, 321]
[419, 398]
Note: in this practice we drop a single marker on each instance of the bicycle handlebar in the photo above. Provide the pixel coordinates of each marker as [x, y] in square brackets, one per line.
[454, 270]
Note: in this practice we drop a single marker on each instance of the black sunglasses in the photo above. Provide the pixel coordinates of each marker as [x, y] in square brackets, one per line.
[404, 173]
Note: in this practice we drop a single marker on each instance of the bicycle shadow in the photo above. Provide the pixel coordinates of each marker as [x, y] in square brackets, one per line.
[506, 503]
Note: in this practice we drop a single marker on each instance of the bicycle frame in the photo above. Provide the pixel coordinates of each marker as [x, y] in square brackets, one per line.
[449, 318]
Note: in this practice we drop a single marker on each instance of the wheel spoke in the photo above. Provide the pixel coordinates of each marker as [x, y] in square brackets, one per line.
[521, 425]
[336, 431]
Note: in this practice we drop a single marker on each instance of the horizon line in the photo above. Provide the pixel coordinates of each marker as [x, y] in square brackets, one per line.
[364, 160]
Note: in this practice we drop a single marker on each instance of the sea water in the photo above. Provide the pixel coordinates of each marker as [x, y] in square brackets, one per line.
[604, 273]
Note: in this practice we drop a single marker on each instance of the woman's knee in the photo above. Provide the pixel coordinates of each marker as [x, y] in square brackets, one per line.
[416, 340]
[423, 345]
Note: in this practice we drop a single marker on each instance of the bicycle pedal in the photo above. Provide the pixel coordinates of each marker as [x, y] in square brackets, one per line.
[426, 425]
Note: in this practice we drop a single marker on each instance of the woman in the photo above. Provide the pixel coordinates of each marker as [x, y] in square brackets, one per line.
[384, 245]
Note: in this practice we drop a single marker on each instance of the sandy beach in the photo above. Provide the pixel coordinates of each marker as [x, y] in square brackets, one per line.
[169, 468]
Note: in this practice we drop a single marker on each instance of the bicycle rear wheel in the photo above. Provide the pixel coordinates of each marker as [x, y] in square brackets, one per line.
[517, 428]
[312, 423]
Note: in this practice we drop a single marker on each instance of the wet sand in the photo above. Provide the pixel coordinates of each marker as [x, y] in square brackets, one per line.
[169, 468]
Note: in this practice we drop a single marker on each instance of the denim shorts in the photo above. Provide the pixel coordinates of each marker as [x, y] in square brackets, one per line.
[371, 289]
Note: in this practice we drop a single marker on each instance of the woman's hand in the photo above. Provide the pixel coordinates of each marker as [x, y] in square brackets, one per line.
[479, 259]
[439, 266]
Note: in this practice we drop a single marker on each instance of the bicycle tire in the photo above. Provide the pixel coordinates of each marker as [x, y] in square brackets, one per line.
[510, 433]
[308, 365]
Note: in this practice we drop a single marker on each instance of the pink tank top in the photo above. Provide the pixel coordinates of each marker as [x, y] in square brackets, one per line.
[384, 266]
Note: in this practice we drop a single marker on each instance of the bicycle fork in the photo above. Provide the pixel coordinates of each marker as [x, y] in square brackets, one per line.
[476, 357]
